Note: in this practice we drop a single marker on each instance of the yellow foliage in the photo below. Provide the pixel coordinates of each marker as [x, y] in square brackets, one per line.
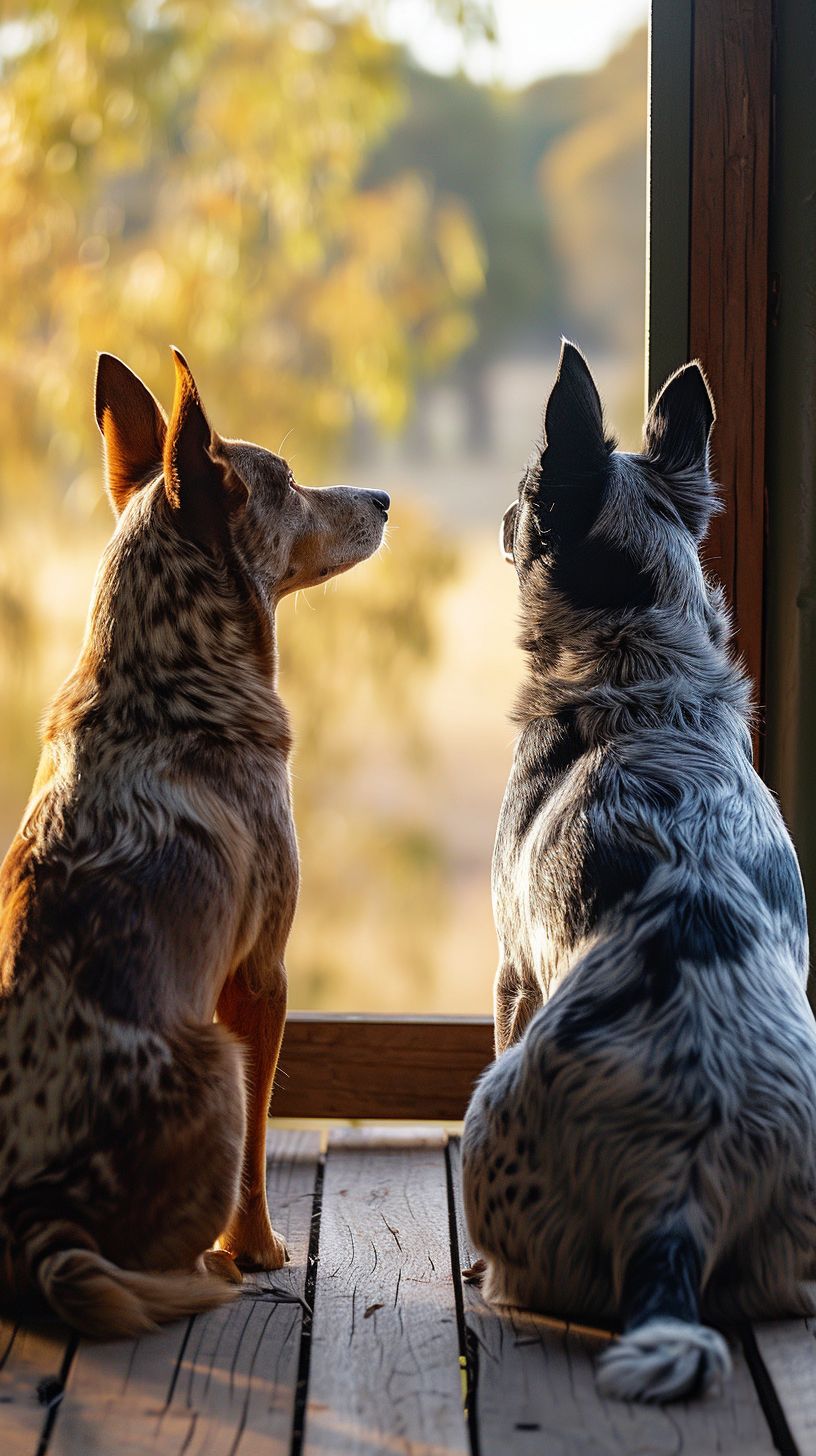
[594, 183]
[190, 173]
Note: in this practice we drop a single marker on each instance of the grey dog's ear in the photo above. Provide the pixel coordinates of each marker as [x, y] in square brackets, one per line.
[133, 426]
[575, 446]
[507, 532]
[675, 442]
[679, 422]
[200, 486]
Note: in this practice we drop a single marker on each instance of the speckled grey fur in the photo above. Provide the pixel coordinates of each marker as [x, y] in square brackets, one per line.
[645, 1143]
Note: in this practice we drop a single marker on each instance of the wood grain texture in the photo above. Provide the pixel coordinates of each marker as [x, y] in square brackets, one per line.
[788, 1351]
[222, 1383]
[385, 1373]
[728, 285]
[32, 1362]
[412, 1067]
[533, 1389]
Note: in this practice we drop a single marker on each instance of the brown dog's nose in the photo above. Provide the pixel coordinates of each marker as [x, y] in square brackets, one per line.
[381, 499]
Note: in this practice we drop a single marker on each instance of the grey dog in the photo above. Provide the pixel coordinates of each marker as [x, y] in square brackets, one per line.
[644, 1146]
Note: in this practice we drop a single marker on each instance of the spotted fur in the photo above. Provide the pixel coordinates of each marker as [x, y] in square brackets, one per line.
[154, 878]
[644, 1146]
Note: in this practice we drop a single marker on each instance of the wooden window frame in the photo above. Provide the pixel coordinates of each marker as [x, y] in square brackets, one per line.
[710, 93]
[417, 1068]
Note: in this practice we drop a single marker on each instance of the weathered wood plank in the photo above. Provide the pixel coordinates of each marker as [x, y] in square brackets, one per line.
[222, 1383]
[32, 1364]
[118, 1395]
[533, 1389]
[385, 1370]
[787, 1349]
[412, 1067]
[388, 1138]
[728, 288]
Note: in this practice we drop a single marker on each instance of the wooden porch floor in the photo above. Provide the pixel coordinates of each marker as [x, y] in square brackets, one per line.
[368, 1343]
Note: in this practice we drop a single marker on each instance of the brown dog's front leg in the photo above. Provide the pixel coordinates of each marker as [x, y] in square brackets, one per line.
[257, 1017]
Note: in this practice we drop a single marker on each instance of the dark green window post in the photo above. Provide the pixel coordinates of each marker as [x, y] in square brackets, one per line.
[790, 760]
[732, 280]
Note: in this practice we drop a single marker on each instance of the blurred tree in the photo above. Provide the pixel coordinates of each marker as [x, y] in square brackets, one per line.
[593, 185]
[466, 141]
[311, 218]
[194, 169]
[192, 172]
[554, 177]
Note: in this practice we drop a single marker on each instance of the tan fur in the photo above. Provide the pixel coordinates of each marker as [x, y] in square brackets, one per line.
[154, 879]
[100, 1299]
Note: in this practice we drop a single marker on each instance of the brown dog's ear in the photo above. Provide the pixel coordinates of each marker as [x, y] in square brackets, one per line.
[200, 485]
[133, 426]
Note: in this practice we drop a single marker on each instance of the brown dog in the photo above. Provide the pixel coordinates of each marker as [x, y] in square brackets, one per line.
[154, 878]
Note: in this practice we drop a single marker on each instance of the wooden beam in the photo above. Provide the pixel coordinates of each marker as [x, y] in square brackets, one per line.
[412, 1067]
[728, 285]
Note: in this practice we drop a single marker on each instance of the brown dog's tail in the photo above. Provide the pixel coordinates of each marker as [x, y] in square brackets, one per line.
[98, 1298]
[95, 1296]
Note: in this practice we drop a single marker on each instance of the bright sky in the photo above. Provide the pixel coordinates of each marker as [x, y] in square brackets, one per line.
[535, 37]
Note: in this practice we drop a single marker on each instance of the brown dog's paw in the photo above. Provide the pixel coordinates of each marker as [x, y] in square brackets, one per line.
[475, 1273]
[255, 1248]
[222, 1264]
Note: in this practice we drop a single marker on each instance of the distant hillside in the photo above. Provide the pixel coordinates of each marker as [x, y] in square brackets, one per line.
[592, 184]
[554, 177]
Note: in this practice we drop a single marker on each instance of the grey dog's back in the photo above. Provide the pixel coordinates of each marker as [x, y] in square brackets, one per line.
[647, 1137]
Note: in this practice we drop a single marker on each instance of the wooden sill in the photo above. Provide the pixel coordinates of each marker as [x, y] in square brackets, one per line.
[411, 1067]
